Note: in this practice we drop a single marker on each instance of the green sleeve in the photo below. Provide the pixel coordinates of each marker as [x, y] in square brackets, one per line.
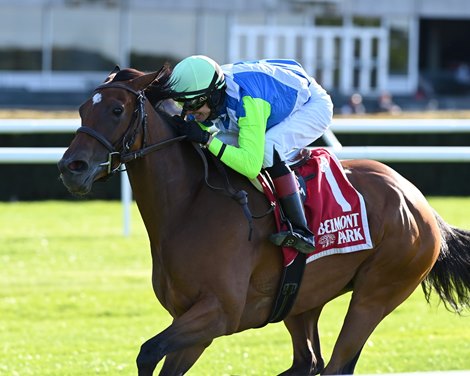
[247, 158]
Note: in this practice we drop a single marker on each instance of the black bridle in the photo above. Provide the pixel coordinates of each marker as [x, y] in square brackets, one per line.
[138, 122]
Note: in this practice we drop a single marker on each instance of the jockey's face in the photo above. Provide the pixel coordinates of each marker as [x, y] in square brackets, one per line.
[201, 114]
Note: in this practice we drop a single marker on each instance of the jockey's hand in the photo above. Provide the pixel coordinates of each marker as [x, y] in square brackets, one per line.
[191, 130]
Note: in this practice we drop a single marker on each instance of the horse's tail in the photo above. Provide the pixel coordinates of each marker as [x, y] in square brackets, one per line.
[450, 276]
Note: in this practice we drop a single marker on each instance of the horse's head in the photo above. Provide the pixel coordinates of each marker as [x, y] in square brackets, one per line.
[113, 125]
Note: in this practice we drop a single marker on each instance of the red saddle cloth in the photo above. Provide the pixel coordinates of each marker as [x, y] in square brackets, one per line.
[335, 210]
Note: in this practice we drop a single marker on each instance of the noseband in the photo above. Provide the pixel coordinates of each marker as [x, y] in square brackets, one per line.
[139, 118]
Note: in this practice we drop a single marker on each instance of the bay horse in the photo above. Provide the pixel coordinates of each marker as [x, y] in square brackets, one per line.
[212, 279]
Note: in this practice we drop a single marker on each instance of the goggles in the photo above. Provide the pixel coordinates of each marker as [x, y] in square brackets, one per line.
[192, 104]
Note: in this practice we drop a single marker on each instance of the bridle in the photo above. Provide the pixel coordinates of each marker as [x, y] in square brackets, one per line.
[138, 122]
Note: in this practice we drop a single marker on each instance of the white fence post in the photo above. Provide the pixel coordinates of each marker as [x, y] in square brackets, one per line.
[126, 199]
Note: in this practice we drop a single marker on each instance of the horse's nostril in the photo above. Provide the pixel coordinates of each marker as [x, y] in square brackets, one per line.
[77, 166]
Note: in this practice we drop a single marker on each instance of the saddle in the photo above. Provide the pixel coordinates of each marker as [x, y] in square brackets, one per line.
[335, 213]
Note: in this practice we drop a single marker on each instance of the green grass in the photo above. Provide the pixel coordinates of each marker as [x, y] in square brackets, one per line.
[76, 299]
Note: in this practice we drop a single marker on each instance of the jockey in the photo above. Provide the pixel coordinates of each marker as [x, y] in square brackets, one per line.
[264, 112]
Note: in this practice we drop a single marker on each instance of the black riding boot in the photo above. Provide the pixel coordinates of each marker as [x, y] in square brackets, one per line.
[287, 190]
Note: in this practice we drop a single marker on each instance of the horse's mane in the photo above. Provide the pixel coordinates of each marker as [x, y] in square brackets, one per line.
[158, 90]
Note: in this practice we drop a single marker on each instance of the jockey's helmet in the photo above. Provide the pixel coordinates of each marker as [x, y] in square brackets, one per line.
[196, 76]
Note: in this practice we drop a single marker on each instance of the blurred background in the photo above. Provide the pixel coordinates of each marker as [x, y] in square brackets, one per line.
[373, 56]
[411, 48]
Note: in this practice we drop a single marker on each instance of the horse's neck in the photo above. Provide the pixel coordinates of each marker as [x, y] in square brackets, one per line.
[164, 184]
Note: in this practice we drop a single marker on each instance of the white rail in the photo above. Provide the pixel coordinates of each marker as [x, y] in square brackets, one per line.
[400, 125]
[457, 154]
[340, 125]
[40, 155]
[33, 155]
[19, 126]
[383, 153]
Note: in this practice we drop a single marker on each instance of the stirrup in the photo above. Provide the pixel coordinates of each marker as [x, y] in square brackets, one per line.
[293, 240]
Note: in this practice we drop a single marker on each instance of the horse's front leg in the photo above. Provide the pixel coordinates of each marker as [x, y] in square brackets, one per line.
[203, 322]
[179, 362]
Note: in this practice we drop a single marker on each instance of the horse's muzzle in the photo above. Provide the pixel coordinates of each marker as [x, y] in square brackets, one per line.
[76, 175]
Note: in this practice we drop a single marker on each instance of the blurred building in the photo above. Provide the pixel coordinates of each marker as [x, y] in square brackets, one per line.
[366, 46]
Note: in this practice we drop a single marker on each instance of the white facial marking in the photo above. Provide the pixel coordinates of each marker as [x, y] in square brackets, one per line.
[96, 98]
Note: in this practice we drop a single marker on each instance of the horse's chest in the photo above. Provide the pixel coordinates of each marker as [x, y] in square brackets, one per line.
[171, 292]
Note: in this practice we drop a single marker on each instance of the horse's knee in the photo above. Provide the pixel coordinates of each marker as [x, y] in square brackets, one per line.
[149, 355]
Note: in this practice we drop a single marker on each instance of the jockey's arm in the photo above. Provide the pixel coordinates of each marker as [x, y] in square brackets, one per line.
[247, 158]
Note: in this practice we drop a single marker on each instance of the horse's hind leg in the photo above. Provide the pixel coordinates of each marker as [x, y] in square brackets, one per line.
[368, 306]
[303, 329]
[360, 322]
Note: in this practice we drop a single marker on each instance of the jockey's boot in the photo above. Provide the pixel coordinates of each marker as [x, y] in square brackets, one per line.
[299, 236]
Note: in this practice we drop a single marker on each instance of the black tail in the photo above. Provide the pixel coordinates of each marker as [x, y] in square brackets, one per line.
[450, 276]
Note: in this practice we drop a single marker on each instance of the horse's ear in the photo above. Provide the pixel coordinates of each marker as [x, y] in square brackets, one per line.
[112, 73]
[142, 82]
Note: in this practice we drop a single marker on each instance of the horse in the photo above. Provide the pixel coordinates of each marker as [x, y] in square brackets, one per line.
[212, 279]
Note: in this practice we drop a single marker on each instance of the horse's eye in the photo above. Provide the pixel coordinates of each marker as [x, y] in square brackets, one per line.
[117, 111]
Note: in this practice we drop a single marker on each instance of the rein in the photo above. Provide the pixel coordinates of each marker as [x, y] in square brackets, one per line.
[149, 149]
[240, 196]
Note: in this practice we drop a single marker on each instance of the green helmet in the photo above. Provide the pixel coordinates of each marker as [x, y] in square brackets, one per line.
[195, 76]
